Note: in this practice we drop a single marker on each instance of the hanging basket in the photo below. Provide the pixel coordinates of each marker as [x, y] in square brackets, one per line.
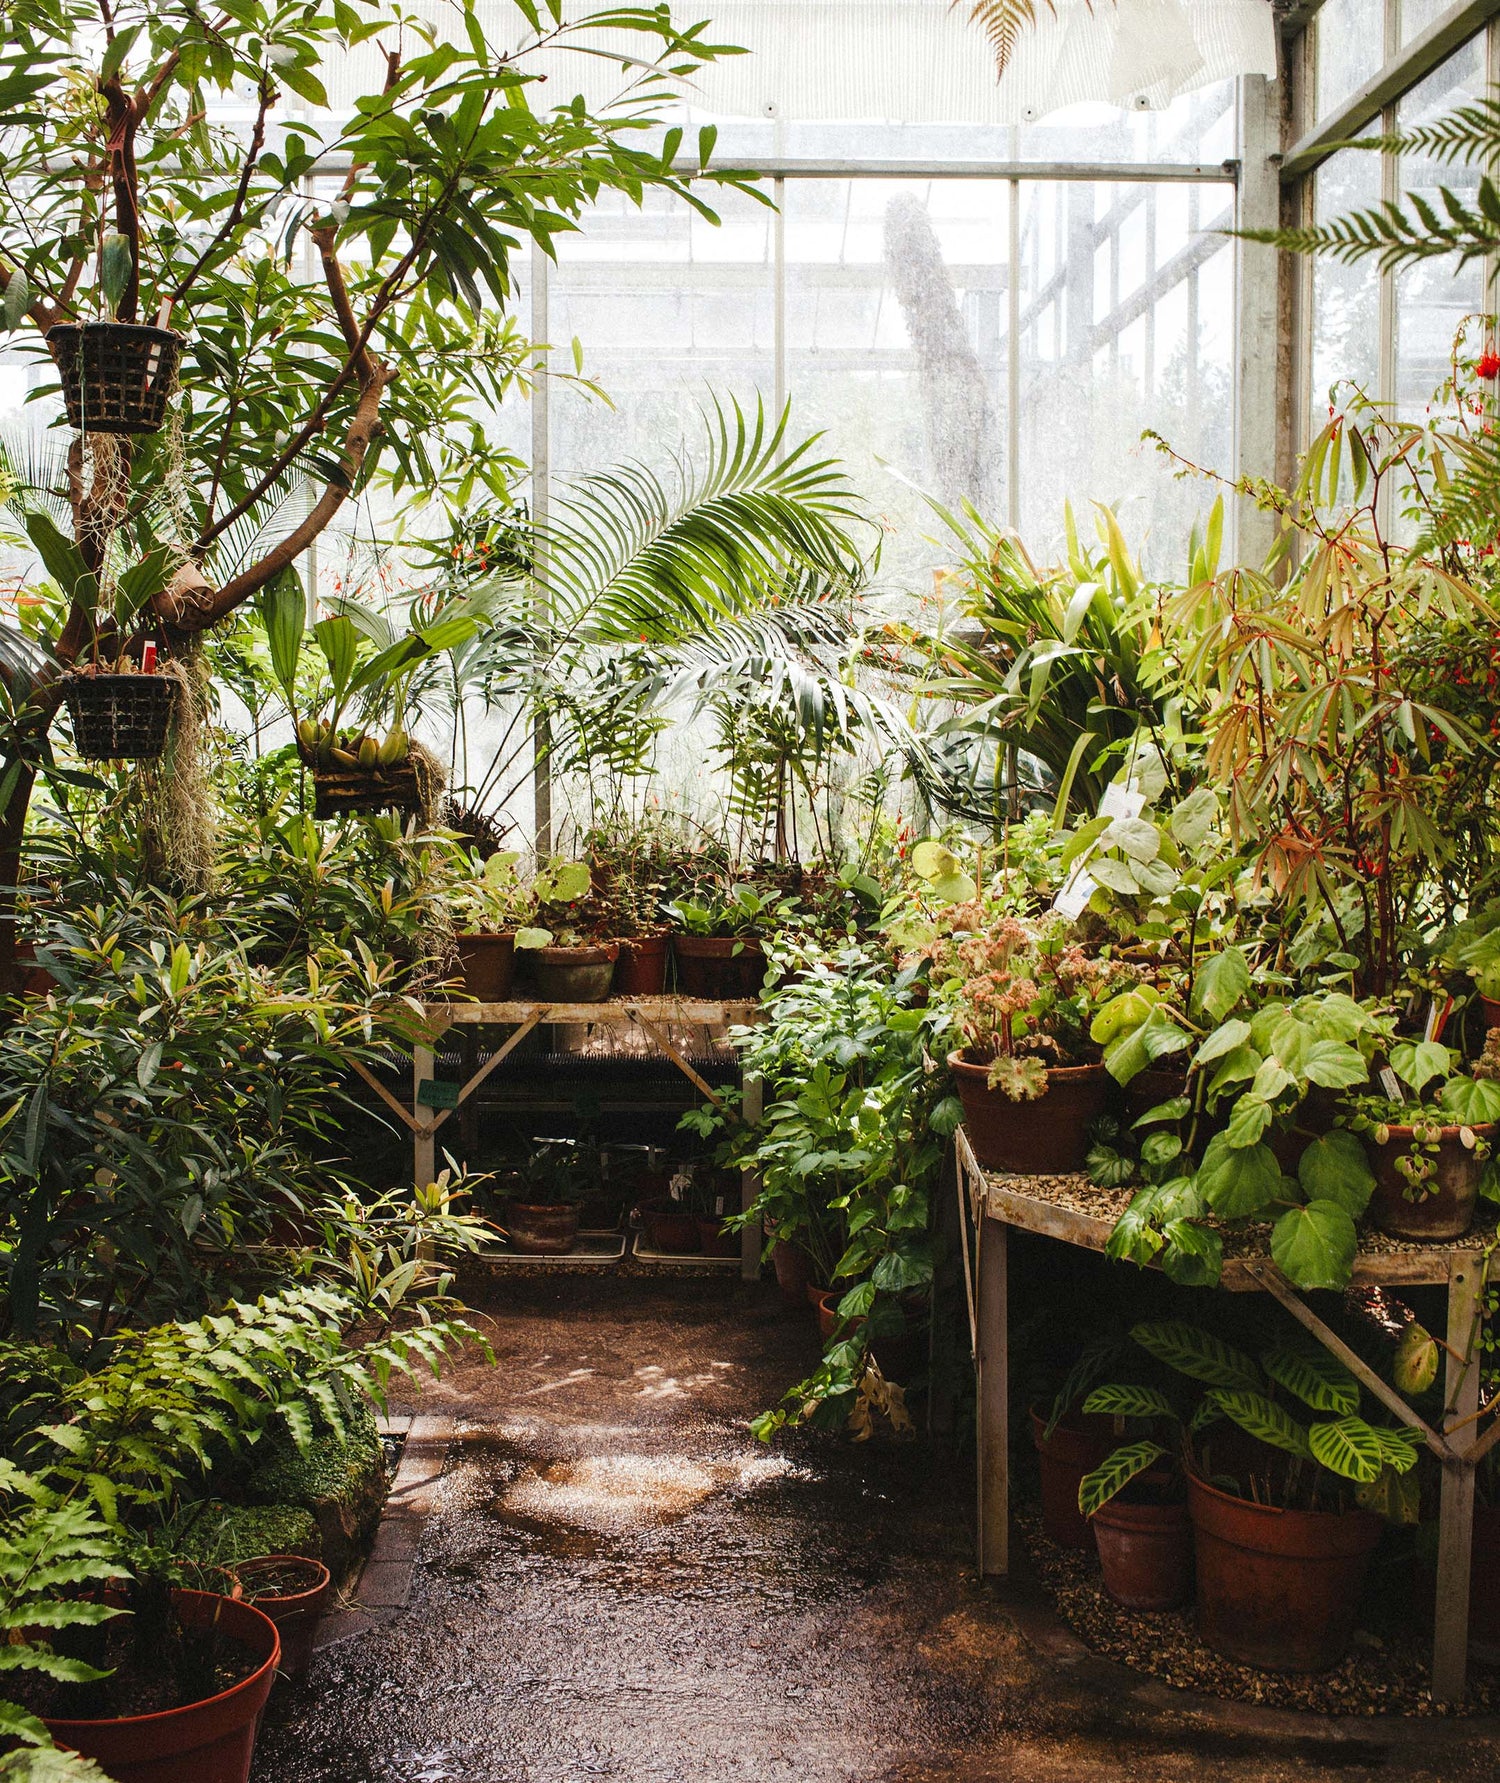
[116, 376]
[120, 717]
[414, 785]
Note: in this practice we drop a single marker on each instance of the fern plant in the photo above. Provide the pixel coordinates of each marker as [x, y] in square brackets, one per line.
[1169, 1429]
[1005, 21]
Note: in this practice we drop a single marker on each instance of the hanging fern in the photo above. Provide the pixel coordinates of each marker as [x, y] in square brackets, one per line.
[1003, 22]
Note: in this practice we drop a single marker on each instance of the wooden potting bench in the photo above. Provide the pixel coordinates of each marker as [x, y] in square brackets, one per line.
[990, 1204]
[653, 1017]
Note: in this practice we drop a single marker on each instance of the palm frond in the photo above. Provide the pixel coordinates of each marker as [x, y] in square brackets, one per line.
[261, 527]
[1469, 135]
[34, 473]
[1003, 22]
[1467, 502]
[629, 557]
[1397, 237]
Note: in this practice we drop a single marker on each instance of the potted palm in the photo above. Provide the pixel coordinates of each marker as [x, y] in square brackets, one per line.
[566, 965]
[1031, 1079]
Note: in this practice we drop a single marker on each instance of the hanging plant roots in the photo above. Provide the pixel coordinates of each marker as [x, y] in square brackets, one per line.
[116, 376]
[415, 785]
[120, 717]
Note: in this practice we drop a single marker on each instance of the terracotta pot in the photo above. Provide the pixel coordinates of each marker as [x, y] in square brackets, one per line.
[489, 964]
[641, 969]
[573, 974]
[713, 1240]
[296, 1612]
[1278, 1589]
[719, 968]
[1148, 1089]
[794, 1271]
[1491, 1007]
[1047, 1137]
[1075, 1447]
[1446, 1213]
[205, 1742]
[828, 1315]
[1145, 1553]
[670, 1227]
[542, 1231]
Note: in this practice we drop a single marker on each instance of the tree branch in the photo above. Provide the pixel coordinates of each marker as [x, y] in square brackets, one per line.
[241, 192]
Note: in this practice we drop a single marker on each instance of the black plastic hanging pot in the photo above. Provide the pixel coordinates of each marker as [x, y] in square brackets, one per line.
[120, 717]
[116, 376]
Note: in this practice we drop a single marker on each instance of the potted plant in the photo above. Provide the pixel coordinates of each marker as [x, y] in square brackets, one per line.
[1136, 1500]
[1429, 1150]
[1281, 1540]
[566, 966]
[671, 1221]
[489, 908]
[717, 942]
[1031, 1080]
[1070, 1444]
[641, 934]
[541, 1217]
[116, 376]
[293, 1590]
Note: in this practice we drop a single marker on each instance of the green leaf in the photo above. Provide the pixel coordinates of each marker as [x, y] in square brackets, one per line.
[1415, 1365]
[1314, 1245]
[1261, 1417]
[17, 300]
[1127, 1463]
[1249, 1120]
[1336, 1168]
[1130, 1402]
[1196, 1353]
[1333, 1065]
[1318, 1380]
[1224, 1039]
[1194, 1254]
[283, 610]
[1222, 980]
[1348, 1447]
[1238, 1180]
[116, 264]
[1417, 1064]
[1135, 1239]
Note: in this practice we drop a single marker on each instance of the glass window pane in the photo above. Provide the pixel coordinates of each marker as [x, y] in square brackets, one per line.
[1433, 297]
[1126, 323]
[1345, 299]
[1350, 48]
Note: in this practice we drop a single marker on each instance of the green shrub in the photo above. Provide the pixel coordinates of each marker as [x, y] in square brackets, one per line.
[217, 1534]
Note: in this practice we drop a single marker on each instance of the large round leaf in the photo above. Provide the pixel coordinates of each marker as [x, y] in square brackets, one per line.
[1314, 1245]
[1415, 1364]
[1238, 1180]
[1336, 1168]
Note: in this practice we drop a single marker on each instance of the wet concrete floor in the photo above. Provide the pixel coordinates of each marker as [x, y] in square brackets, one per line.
[621, 1583]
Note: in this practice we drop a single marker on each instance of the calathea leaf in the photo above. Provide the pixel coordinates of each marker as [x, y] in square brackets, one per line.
[1262, 1418]
[1316, 1377]
[1196, 1353]
[1105, 1482]
[1130, 1402]
[1348, 1447]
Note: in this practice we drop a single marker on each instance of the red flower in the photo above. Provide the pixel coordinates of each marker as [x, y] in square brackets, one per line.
[1488, 366]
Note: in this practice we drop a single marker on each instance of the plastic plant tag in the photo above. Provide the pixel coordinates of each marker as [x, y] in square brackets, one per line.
[433, 1092]
[1121, 801]
[1392, 1085]
[1073, 899]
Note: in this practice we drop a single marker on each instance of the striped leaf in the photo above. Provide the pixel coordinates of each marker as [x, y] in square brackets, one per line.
[1198, 1354]
[1261, 1418]
[1098, 1487]
[1308, 1370]
[1130, 1402]
[1348, 1447]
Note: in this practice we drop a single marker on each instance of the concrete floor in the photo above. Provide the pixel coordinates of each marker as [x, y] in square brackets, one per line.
[621, 1583]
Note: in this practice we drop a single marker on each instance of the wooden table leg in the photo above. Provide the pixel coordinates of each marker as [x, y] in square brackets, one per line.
[468, 1118]
[751, 1239]
[424, 1139]
[993, 1436]
[1450, 1646]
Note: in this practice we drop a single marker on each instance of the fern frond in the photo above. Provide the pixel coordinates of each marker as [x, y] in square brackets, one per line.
[1470, 135]
[1396, 236]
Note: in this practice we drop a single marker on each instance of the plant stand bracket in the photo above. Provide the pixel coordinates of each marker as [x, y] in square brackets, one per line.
[653, 1016]
[990, 1204]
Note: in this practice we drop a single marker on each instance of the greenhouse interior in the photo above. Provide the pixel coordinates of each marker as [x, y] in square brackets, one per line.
[749, 900]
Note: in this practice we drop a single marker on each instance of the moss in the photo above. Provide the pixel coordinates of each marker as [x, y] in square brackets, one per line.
[218, 1534]
[334, 1467]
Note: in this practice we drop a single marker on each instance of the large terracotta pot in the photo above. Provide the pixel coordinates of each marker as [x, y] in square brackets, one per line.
[1278, 1589]
[489, 964]
[206, 1742]
[542, 1231]
[670, 1227]
[1446, 1213]
[1075, 1447]
[719, 968]
[794, 1271]
[295, 1604]
[713, 1240]
[641, 969]
[573, 974]
[1145, 1553]
[1045, 1137]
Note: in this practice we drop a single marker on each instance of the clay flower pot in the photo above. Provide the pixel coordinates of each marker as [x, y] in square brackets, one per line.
[719, 968]
[1278, 1588]
[670, 1227]
[1446, 1210]
[1145, 1553]
[488, 961]
[293, 1591]
[204, 1742]
[542, 1231]
[713, 1240]
[1045, 1137]
[1075, 1447]
[641, 969]
[794, 1271]
[574, 974]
